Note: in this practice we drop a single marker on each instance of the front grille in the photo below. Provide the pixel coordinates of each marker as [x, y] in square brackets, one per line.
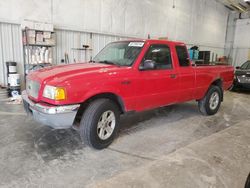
[32, 88]
[244, 80]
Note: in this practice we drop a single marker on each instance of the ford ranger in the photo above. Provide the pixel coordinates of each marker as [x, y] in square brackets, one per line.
[126, 76]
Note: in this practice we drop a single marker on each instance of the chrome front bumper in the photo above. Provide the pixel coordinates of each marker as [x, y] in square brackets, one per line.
[57, 117]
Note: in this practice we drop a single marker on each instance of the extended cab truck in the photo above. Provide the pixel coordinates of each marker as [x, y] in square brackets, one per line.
[125, 76]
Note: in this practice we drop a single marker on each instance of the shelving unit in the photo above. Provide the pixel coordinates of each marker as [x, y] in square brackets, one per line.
[84, 48]
[37, 47]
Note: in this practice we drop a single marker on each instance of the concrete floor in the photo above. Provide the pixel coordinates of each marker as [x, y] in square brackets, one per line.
[173, 146]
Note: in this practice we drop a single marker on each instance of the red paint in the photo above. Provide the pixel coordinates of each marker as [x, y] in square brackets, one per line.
[139, 90]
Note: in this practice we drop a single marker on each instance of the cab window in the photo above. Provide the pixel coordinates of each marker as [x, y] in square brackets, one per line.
[161, 55]
[182, 56]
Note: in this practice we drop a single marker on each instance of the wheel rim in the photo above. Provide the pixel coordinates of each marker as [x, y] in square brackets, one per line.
[106, 125]
[214, 100]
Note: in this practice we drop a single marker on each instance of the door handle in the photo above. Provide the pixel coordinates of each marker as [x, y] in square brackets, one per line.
[172, 75]
[126, 82]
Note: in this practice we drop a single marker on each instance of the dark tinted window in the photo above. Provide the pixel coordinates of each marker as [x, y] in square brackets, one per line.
[182, 56]
[161, 55]
[246, 65]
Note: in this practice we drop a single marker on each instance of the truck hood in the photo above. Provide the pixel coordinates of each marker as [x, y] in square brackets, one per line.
[60, 73]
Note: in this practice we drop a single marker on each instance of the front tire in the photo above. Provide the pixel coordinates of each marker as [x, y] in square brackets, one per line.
[100, 123]
[210, 103]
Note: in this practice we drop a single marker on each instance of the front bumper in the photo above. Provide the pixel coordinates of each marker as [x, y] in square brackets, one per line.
[57, 117]
[241, 84]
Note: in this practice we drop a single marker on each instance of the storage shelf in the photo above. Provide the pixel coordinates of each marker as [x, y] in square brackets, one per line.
[33, 67]
[40, 45]
[39, 30]
[81, 49]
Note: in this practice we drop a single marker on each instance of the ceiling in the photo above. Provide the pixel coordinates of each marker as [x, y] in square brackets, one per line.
[241, 6]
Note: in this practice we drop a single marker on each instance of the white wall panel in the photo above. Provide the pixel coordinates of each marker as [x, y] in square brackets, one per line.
[2, 66]
[67, 40]
[240, 56]
[242, 34]
[17, 10]
[241, 47]
[197, 21]
[10, 48]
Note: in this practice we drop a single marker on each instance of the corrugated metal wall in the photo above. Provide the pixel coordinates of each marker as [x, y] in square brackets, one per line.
[241, 45]
[66, 41]
[10, 48]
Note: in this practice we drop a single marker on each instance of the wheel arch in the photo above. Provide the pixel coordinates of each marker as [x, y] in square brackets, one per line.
[107, 95]
[217, 82]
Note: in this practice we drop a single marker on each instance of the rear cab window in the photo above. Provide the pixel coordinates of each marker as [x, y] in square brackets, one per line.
[182, 56]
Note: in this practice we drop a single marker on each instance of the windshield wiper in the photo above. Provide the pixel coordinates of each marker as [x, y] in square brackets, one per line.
[107, 62]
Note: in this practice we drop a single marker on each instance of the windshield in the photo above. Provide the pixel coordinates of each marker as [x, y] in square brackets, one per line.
[119, 53]
[246, 65]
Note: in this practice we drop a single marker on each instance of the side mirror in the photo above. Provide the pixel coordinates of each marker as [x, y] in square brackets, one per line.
[148, 65]
[237, 67]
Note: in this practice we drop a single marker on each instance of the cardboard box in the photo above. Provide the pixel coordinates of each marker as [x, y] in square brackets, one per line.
[31, 40]
[46, 34]
[31, 33]
[52, 40]
[39, 37]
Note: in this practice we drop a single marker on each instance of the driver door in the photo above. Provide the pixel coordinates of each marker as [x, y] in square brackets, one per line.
[159, 86]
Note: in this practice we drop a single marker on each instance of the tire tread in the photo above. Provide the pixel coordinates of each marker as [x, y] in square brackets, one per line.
[202, 104]
[87, 118]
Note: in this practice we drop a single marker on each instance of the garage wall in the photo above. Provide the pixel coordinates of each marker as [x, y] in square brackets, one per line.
[67, 40]
[10, 48]
[196, 22]
[241, 46]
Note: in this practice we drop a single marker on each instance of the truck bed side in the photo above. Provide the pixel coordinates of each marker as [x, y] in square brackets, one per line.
[206, 75]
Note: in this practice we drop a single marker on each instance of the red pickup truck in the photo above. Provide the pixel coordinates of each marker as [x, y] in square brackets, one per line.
[125, 76]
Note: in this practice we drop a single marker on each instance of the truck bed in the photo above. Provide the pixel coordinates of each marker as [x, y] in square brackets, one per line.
[208, 73]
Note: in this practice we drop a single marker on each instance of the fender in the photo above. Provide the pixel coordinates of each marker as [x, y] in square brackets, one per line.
[101, 92]
[218, 81]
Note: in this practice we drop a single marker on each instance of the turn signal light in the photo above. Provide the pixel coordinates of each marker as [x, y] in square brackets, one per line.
[60, 94]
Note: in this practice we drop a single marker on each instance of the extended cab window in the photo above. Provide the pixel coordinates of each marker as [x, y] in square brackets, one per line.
[161, 55]
[182, 56]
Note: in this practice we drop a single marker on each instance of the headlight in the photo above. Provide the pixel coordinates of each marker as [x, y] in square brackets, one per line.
[55, 93]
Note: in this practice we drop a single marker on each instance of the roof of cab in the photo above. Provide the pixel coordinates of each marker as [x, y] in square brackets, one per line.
[153, 41]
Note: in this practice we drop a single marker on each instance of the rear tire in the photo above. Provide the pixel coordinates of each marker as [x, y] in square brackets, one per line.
[210, 103]
[100, 123]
